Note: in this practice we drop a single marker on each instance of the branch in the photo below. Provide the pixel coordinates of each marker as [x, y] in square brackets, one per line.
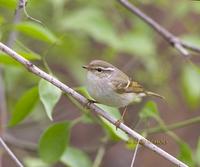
[27, 15]
[181, 124]
[12, 155]
[21, 143]
[11, 39]
[34, 69]
[16, 20]
[135, 152]
[17, 17]
[3, 113]
[190, 46]
[100, 153]
[169, 37]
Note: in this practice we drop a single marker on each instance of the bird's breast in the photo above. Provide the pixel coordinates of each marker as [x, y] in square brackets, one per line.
[103, 92]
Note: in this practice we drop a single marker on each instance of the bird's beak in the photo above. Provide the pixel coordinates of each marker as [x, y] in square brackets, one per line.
[86, 67]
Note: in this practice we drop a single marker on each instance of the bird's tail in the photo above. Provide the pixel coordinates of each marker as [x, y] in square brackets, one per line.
[148, 93]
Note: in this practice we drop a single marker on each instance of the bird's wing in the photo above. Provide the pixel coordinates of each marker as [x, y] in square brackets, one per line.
[135, 87]
[127, 86]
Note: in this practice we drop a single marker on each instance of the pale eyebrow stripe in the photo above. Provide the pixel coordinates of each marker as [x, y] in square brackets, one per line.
[107, 68]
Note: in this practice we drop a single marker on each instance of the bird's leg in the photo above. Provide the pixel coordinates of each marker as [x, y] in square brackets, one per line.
[92, 101]
[119, 121]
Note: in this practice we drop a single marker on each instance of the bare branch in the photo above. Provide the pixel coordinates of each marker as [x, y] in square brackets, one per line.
[21, 143]
[28, 16]
[34, 69]
[190, 46]
[16, 20]
[3, 113]
[135, 152]
[12, 155]
[100, 153]
[17, 17]
[11, 39]
[158, 129]
[169, 37]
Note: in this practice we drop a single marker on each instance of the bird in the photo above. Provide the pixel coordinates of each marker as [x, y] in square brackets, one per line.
[108, 85]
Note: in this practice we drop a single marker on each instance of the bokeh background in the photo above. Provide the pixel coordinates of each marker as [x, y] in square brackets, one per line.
[72, 34]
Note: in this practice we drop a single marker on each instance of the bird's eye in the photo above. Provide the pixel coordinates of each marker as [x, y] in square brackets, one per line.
[99, 69]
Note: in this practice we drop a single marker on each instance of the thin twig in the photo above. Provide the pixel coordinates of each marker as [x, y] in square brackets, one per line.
[3, 114]
[99, 157]
[17, 17]
[135, 152]
[12, 155]
[34, 69]
[170, 133]
[21, 143]
[190, 46]
[11, 39]
[173, 40]
[30, 17]
[173, 126]
[100, 154]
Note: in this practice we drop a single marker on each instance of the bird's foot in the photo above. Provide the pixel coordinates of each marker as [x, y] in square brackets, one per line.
[89, 102]
[118, 122]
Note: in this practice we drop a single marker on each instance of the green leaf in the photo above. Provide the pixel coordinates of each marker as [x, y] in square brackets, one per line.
[182, 9]
[93, 22]
[129, 43]
[195, 7]
[49, 96]
[149, 110]
[197, 155]
[87, 116]
[7, 60]
[11, 4]
[2, 20]
[110, 128]
[29, 55]
[83, 91]
[36, 31]
[131, 144]
[24, 106]
[190, 80]
[75, 158]
[185, 154]
[54, 141]
[34, 162]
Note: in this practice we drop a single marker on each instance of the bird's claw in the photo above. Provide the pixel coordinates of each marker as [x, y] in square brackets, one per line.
[89, 102]
[117, 123]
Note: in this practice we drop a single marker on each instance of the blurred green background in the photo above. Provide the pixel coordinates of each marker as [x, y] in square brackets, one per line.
[72, 34]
